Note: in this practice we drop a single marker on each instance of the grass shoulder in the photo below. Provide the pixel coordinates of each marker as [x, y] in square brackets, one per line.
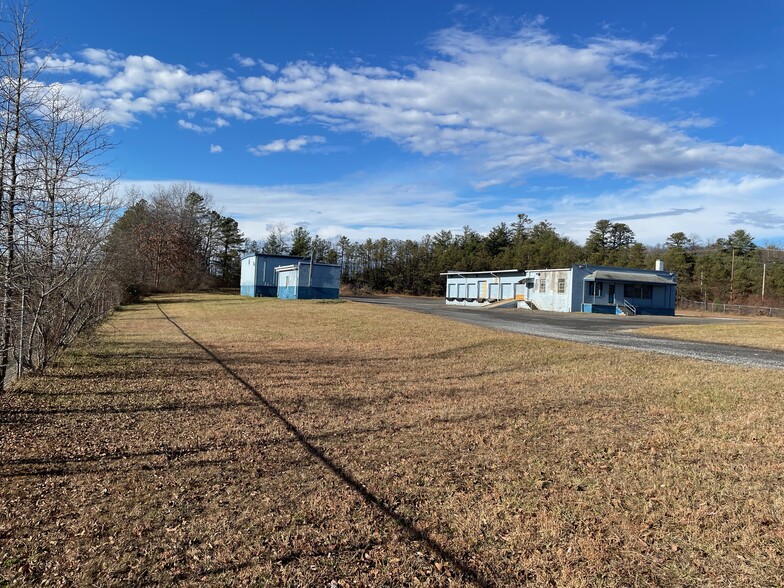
[766, 333]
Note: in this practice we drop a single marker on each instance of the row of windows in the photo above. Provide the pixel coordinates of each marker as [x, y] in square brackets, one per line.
[638, 291]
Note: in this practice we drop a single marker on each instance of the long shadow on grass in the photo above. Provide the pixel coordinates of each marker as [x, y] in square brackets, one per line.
[169, 407]
[83, 464]
[66, 470]
[409, 526]
[79, 464]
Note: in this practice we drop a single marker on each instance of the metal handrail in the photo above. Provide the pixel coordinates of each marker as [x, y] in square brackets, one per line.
[630, 307]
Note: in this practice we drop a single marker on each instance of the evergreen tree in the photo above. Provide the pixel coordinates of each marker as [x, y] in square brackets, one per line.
[498, 240]
[610, 244]
[230, 243]
[679, 258]
[597, 246]
[300, 242]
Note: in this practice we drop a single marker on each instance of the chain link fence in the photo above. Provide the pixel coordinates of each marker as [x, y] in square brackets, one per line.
[739, 309]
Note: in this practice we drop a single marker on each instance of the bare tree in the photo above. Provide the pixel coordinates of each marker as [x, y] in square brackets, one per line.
[19, 101]
[55, 207]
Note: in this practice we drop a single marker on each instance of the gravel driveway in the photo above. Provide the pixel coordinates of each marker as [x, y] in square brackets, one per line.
[609, 331]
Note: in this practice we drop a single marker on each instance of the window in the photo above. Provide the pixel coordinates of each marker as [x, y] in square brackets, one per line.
[595, 288]
[561, 285]
[542, 285]
[639, 291]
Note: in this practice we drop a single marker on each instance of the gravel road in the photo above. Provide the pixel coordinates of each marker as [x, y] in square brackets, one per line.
[609, 331]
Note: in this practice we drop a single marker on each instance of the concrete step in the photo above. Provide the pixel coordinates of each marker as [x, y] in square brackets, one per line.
[506, 303]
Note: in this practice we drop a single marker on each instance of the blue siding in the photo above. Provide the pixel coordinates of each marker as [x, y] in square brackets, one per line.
[323, 276]
[662, 301]
[312, 293]
[259, 278]
[322, 281]
[258, 269]
[600, 308]
[258, 291]
[657, 311]
[287, 293]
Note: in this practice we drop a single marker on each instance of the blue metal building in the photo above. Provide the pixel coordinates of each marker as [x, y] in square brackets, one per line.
[306, 280]
[580, 288]
[257, 273]
[598, 289]
[626, 291]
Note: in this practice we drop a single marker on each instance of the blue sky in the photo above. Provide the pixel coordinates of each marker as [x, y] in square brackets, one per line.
[403, 118]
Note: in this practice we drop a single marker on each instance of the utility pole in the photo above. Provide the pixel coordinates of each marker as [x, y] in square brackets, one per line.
[732, 277]
[704, 292]
[764, 268]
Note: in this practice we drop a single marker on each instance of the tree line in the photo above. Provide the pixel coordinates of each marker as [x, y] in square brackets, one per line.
[730, 269]
[171, 240]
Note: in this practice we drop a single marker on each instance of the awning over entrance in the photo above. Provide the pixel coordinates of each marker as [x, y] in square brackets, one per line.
[635, 277]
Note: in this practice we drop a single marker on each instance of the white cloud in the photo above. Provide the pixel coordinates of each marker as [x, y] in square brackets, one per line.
[216, 149]
[205, 99]
[270, 67]
[244, 61]
[283, 145]
[251, 62]
[512, 105]
[221, 122]
[695, 122]
[481, 185]
[184, 124]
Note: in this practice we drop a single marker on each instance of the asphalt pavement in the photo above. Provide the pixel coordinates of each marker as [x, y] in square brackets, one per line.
[595, 329]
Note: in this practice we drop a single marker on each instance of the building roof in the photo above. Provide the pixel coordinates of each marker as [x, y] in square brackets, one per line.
[276, 255]
[305, 263]
[480, 273]
[636, 277]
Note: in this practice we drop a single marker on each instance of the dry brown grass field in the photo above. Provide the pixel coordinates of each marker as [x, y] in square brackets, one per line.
[300, 443]
[765, 333]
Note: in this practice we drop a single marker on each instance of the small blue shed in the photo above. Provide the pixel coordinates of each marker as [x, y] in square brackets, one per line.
[307, 281]
[257, 273]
